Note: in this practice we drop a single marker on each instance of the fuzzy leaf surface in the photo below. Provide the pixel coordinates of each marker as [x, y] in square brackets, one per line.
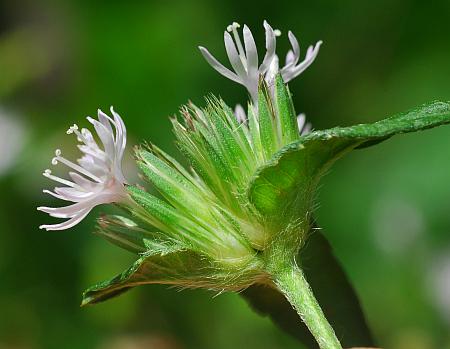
[169, 265]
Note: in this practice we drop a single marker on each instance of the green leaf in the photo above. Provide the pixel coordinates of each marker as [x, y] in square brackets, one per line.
[171, 266]
[333, 291]
[286, 184]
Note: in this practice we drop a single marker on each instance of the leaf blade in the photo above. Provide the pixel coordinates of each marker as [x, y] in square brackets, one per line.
[294, 171]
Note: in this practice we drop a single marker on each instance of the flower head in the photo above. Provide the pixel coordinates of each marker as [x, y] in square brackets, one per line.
[97, 178]
[244, 62]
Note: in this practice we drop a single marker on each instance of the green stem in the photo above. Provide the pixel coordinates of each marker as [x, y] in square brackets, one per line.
[292, 283]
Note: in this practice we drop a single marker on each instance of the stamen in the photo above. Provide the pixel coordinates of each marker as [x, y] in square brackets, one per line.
[233, 28]
[47, 173]
[72, 129]
[277, 32]
[77, 168]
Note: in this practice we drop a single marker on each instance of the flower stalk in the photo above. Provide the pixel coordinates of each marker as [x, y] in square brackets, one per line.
[291, 281]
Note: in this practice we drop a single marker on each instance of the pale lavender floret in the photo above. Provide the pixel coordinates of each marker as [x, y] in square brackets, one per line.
[303, 126]
[240, 114]
[292, 68]
[97, 178]
[244, 61]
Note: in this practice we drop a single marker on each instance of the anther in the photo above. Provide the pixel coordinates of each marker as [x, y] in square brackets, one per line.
[72, 129]
[233, 26]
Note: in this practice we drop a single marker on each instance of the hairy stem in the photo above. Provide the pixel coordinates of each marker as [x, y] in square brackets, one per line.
[291, 281]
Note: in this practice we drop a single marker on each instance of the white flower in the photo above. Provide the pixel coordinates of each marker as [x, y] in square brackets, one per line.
[292, 68]
[244, 62]
[97, 178]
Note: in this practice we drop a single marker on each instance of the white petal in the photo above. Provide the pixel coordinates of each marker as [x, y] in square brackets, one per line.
[301, 119]
[250, 51]
[66, 211]
[82, 181]
[240, 114]
[295, 48]
[272, 71]
[98, 154]
[73, 195]
[218, 66]
[105, 136]
[54, 194]
[67, 224]
[289, 73]
[290, 58]
[233, 56]
[271, 41]
[105, 120]
[306, 129]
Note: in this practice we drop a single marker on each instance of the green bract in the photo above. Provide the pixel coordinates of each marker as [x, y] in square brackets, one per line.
[244, 209]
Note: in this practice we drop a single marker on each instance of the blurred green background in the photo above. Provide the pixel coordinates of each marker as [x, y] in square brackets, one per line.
[386, 210]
